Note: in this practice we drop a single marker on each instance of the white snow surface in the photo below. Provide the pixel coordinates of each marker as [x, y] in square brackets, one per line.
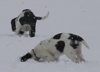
[80, 17]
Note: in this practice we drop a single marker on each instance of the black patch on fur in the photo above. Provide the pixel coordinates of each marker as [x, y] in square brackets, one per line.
[74, 38]
[21, 32]
[28, 10]
[38, 18]
[32, 14]
[13, 25]
[26, 57]
[60, 46]
[32, 33]
[57, 36]
[28, 18]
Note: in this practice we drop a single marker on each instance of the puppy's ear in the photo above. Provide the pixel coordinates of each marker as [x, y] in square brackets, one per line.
[13, 24]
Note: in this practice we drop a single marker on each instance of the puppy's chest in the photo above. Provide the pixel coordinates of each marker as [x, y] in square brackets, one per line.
[26, 27]
[27, 20]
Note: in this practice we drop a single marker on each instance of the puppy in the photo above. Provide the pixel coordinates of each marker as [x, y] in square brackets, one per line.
[26, 21]
[51, 49]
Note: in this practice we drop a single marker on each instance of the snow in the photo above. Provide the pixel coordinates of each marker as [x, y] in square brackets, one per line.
[80, 17]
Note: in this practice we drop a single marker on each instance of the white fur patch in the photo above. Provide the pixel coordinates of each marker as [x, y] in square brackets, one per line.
[25, 27]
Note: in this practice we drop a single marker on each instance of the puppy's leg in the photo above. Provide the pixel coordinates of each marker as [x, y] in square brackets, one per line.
[79, 53]
[21, 32]
[80, 57]
[18, 28]
[32, 31]
[73, 57]
[50, 58]
[47, 56]
[71, 54]
[26, 57]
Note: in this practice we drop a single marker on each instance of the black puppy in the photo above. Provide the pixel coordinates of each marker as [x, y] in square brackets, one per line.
[26, 21]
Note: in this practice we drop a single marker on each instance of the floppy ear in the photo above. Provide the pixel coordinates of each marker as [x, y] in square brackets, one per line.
[13, 25]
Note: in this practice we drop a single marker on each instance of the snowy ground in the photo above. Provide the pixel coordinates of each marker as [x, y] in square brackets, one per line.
[81, 17]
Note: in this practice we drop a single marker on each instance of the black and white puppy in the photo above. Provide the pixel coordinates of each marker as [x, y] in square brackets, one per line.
[26, 21]
[51, 49]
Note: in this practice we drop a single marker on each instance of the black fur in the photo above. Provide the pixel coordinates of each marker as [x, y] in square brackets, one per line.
[21, 32]
[26, 57]
[60, 46]
[13, 26]
[74, 38]
[28, 18]
[57, 36]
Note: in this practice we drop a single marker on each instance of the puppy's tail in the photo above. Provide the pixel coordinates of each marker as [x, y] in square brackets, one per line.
[42, 18]
[83, 41]
[85, 44]
[45, 16]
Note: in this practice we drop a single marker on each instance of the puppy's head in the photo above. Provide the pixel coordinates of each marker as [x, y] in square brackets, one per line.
[26, 10]
[28, 13]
